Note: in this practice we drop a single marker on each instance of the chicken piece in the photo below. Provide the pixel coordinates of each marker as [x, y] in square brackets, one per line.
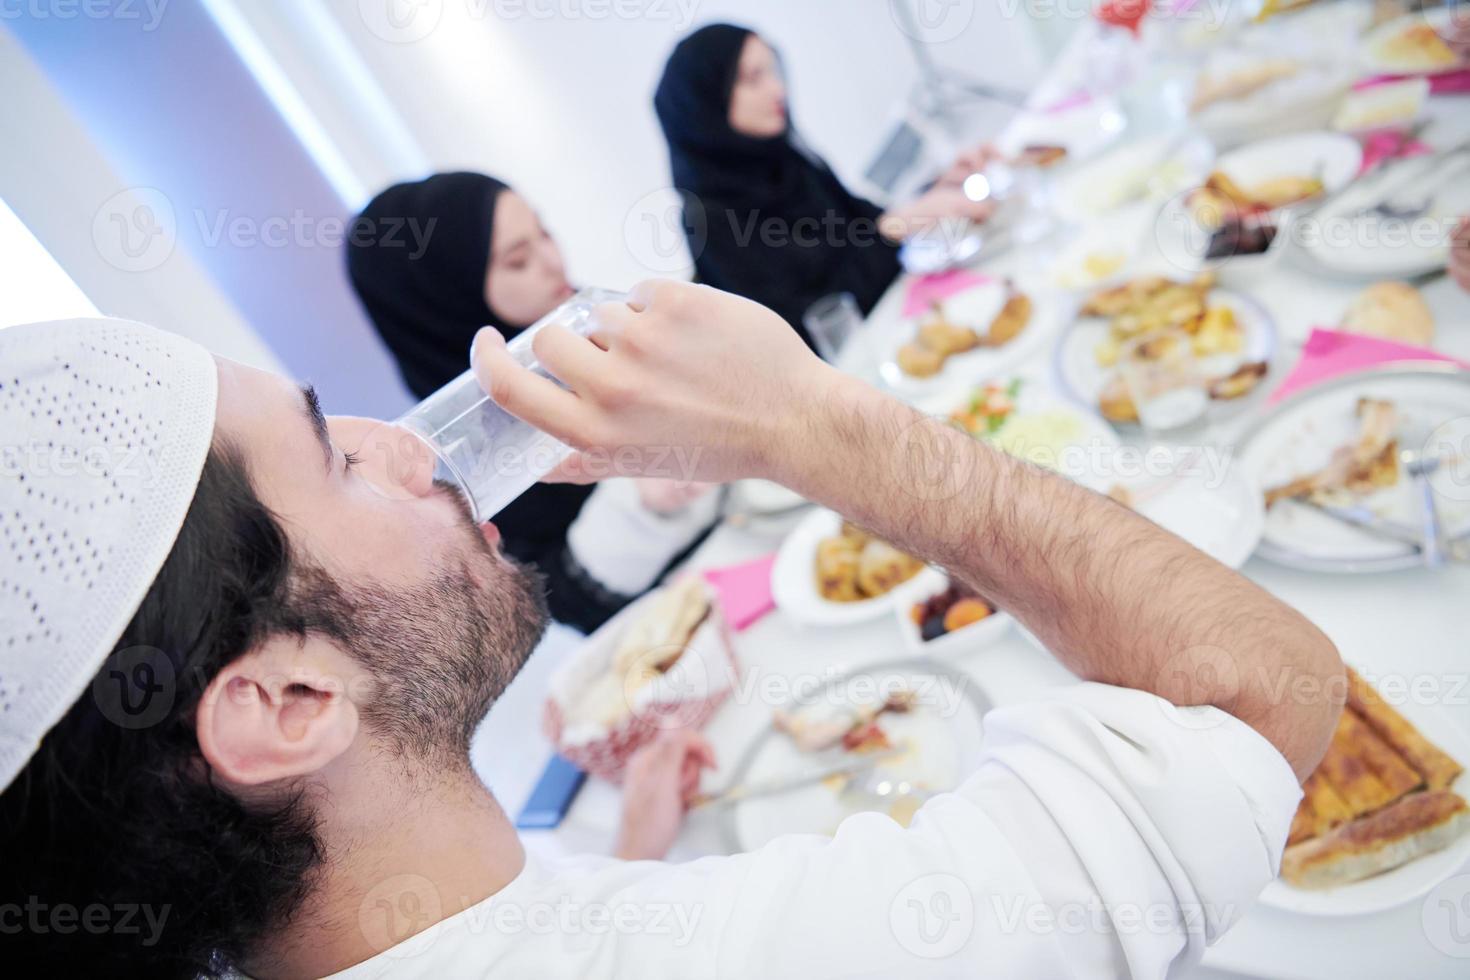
[1116, 402]
[1010, 321]
[881, 567]
[918, 361]
[946, 339]
[837, 571]
[1368, 462]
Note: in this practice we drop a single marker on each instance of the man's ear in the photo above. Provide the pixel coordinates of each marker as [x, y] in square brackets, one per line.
[278, 712]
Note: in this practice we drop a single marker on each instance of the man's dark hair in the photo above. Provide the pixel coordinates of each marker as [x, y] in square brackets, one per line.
[121, 857]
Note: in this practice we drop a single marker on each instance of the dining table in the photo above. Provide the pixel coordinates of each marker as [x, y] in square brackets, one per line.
[1411, 624]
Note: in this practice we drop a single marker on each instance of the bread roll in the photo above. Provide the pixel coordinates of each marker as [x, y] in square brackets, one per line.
[1393, 311]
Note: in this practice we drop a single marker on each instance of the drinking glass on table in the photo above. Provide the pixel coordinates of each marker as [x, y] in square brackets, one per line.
[834, 322]
[1165, 381]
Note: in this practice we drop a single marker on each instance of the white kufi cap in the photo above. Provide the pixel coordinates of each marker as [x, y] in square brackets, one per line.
[104, 429]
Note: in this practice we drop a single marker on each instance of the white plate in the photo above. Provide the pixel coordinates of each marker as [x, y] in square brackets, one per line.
[1406, 883]
[1376, 250]
[973, 308]
[944, 732]
[1375, 60]
[1094, 189]
[1301, 102]
[1062, 262]
[1082, 379]
[1335, 156]
[1210, 504]
[1299, 437]
[1084, 129]
[794, 578]
[976, 636]
[1094, 442]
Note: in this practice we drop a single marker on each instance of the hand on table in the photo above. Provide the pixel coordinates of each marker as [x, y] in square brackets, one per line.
[939, 204]
[661, 780]
[1460, 254]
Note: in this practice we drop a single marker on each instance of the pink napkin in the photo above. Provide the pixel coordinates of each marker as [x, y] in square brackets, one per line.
[744, 590]
[1455, 82]
[1081, 97]
[1329, 353]
[1380, 145]
[926, 290]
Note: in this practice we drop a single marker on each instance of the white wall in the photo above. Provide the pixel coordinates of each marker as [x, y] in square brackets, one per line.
[54, 178]
[561, 106]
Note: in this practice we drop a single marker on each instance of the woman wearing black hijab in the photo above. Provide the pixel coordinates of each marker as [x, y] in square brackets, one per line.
[765, 217]
[432, 262]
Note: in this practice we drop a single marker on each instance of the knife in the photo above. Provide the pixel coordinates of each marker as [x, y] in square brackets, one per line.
[783, 784]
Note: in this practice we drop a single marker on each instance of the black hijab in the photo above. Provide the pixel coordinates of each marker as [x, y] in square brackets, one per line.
[732, 183]
[417, 257]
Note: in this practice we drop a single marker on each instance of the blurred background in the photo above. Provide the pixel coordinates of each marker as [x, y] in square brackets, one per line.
[193, 163]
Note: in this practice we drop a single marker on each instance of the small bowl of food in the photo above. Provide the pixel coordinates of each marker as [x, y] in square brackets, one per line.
[952, 618]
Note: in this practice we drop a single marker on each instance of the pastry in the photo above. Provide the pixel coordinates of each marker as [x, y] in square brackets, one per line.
[1393, 311]
[1437, 769]
[1418, 824]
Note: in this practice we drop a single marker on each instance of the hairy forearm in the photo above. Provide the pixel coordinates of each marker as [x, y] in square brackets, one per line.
[1115, 597]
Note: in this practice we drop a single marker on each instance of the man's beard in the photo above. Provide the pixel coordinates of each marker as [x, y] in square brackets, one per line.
[442, 651]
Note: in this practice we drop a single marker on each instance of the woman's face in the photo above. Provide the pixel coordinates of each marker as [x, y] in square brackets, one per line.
[526, 278]
[758, 100]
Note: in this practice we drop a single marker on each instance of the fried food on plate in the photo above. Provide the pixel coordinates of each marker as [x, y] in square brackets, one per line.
[1366, 464]
[1418, 824]
[940, 338]
[854, 565]
[1379, 798]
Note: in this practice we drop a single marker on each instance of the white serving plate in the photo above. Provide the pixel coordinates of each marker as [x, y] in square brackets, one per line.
[973, 308]
[944, 732]
[1094, 436]
[1300, 435]
[794, 582]
[1220, 513]
[1365, 249]
[1408, 882]
[1082, 379]
[1091, 190]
